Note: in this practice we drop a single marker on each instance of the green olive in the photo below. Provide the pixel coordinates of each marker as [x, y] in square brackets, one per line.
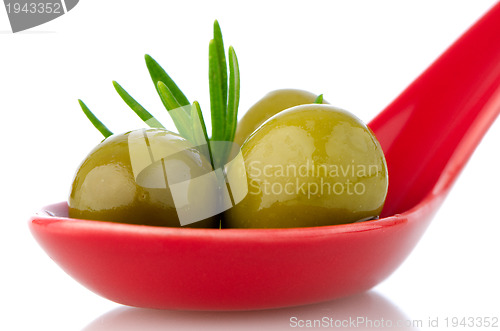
[271, 104]
[311, 165]
[129, 178]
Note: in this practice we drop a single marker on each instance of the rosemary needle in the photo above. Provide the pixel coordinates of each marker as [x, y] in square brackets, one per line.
[94, 120]
[137, 108]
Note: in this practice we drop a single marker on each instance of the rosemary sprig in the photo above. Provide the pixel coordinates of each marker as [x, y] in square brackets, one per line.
[187, 117]
[223, 101]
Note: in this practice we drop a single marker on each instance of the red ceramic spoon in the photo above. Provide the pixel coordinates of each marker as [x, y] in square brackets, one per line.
[428, 133]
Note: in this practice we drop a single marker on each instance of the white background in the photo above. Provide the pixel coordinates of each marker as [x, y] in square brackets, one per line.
[360, 54]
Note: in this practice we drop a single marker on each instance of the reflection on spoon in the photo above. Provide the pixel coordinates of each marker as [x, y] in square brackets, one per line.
[367, 311]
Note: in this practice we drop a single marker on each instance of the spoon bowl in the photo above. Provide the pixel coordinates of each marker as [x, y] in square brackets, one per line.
[428, 133]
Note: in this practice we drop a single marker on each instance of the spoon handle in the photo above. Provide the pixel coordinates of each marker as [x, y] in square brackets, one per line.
[429, 132]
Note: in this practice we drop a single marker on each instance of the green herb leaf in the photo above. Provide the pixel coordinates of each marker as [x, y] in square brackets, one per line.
[158, 74]
[94, 120]
[167, 97]
[219, 45]
[137, 108]
[178, 112]
[217, 104]
[200, 135]
[319, 99]
[234, 95]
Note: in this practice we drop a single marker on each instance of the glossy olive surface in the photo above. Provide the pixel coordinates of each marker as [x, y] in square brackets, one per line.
[271, 104]
[127, 179]
[311, 165]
